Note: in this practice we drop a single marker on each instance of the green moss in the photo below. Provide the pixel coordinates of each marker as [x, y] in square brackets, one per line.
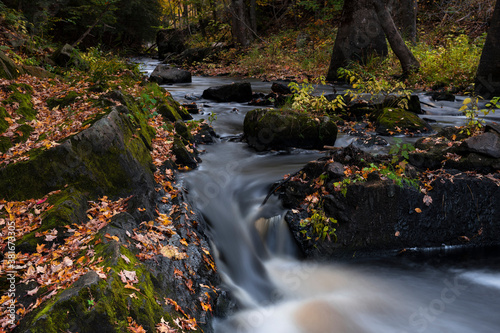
[63, 101]
[25, 107]
[69, 207]
[4, 124]
[391, 121]
[8, 69]
[25, 131]
[79, 163]
[110, 302]
[5, 144]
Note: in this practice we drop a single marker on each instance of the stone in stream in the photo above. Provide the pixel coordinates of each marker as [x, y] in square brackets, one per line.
[274, 130]
[377, 214]
[165, 74]
[234, 92]
[487, 143]
[391, 121]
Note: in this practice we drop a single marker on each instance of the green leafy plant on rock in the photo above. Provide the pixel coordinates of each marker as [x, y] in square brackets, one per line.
[321, 225]
[304, 101]
[376, 89]
[471, 110]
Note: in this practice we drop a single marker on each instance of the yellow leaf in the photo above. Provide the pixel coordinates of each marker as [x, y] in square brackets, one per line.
[467, 100]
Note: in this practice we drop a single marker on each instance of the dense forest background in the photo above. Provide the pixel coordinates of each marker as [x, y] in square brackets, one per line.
[270, 39]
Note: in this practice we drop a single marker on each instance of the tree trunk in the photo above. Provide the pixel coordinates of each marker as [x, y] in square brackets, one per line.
[242, 33]
[404, 14]
[487, 83]
[408, 62]
[359, 37]
[87, 32]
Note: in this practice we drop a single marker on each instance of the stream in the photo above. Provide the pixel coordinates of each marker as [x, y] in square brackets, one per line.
[446, 289]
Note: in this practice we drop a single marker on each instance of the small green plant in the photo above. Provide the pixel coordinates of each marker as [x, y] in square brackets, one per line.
[400, 150]
[321, 226]
[377, 89]
[211, 118]
[471, 111]
[304, 101]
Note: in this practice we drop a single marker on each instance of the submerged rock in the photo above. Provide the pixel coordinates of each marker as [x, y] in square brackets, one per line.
[272, 129]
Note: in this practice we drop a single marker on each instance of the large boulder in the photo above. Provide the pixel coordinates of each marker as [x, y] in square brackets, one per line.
[380, 214]
[164, 74]
[234, 92]
[271, 129]
[170, 41]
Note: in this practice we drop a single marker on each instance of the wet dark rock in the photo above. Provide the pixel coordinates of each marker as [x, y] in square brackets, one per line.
[192, 108]
[165, 74]
[234, 92]
[281, 88]
[271, 129]
[442, 96]
[378, 215]
[260, 99]
[185, 157]
[206, 135]
[182, 129]
[335, 170]
[487, 144]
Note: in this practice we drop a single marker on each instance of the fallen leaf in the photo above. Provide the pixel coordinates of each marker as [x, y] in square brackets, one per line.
[427, 200]
[129, 286]
[32, 292]
[67, 262]
[418, 210]
[164, 327]
[172, 252]
[124, 257]
[50, 238]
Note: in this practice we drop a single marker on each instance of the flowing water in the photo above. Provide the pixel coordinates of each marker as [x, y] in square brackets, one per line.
[439, 290]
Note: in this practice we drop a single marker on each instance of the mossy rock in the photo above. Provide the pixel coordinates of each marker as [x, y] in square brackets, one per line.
[184, 158]
[68, 56]
[182, 129]
[25, 131]
[273, 129]
[105, 159]
[4, 124]
[25, 107]
[392, 121]
[8, 69]
[69, 207]
[93, 304]
[5, 144]
[63, 101]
